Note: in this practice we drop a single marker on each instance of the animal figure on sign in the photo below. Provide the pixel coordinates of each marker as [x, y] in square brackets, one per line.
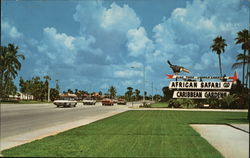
[177, 69]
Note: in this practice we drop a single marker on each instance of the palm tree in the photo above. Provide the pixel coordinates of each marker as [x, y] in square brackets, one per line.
[242, 60]
[137, 94]
[112, 92]
[129, 93]
[243, 38]
[229, 99]
[9, 65]
[70, 91]
[218, 46]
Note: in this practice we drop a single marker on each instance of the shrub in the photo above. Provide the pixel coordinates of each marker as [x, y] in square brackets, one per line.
[229, 100]
[183, 103]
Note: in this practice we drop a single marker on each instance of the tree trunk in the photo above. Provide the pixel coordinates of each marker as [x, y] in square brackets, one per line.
[248, 90]
[243, 71]
[247, 75]
[220, 65]
[1, 85]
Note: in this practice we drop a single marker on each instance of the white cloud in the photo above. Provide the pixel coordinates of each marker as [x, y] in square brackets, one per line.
[207, 60]
[131, 83]
[138, 42]
[134, 64]
[185, 37]
[127, 73]
[89, 13]
[118, 18]
[108, 26]
[8, 30]
[61, 40]
[93, 16]
[64, 48]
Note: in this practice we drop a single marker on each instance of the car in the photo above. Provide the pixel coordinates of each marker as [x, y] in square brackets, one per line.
[89, 101]
[115, 101]
[107, 101]
[121, 102]
[65, 102]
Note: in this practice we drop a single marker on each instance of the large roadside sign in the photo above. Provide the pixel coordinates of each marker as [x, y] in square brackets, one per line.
[200, 94]
[199, 85]
[200, 89]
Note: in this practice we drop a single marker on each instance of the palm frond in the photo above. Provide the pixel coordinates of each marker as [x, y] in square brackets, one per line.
[237, 65]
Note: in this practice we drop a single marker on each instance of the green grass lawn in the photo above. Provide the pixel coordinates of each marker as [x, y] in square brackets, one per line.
[133, 134]
[159, 105]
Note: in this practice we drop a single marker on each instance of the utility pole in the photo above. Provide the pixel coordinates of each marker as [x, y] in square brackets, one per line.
[48, 92]
[152, 91]
[143, 85]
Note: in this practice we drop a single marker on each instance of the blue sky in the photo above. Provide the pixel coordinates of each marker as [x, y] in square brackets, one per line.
[92, 44]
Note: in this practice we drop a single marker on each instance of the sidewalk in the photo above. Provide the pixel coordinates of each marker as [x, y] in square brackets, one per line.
[231, 141]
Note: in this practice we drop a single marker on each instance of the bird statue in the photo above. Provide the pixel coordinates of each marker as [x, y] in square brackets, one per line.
[177, 69]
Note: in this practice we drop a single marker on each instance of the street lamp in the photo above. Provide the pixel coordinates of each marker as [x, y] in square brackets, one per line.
[48, 92]
[143, 102]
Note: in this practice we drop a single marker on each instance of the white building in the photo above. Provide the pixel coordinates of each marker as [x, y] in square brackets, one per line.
[22, 96]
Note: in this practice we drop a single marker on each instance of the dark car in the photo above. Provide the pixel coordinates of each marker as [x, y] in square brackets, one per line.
[121, 102]
[107, 102]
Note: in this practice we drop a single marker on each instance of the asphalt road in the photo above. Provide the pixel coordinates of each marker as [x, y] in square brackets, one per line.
[23, 118]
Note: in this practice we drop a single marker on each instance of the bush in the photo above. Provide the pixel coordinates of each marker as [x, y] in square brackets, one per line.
[173, 103]
[213, 102]
[241, 102]
[182, 103]
[187, 103]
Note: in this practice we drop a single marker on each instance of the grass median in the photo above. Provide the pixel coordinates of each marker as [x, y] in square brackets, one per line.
[133, 134]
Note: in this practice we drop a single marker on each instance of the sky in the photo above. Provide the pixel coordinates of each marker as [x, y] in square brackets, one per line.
[94, 44]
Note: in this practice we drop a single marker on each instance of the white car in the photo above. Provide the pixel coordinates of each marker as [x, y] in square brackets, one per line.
[89, 101]
[65, 102]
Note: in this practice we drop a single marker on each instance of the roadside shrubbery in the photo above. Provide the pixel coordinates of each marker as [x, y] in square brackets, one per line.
[232, 101]
[182, 103]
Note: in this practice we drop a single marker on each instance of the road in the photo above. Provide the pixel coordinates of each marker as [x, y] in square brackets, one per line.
[22, 118]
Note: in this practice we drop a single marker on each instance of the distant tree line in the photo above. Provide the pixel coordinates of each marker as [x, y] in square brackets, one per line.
[38, 88]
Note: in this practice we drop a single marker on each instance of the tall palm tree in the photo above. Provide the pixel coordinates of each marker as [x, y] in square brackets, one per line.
[218, 46]
[137, 94]
[112, 92]
[242, 60]
[243, 38]
[9, 65]
[129, 93]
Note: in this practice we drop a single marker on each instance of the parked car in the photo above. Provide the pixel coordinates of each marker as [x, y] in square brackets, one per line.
[121, 102]
[107, 101]
[89, 101]
[65, 102]
[115, 101]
